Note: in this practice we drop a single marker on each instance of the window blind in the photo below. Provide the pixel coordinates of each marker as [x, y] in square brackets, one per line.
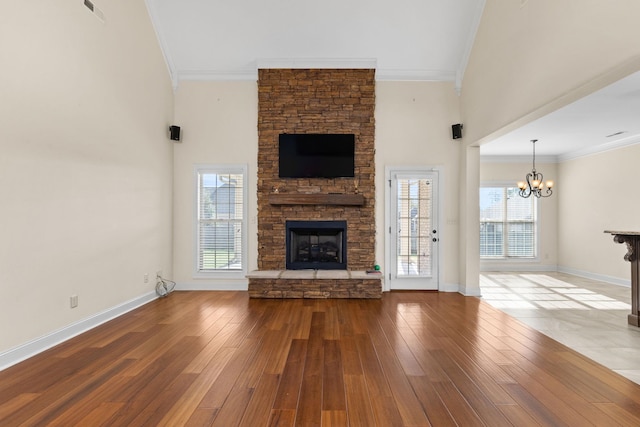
[507, 223]
[220, 220]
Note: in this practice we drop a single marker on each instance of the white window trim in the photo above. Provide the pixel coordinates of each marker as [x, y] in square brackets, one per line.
[220, 168]
[514, 260]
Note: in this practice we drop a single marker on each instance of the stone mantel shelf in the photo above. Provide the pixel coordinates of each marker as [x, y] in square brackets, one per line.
[316, 199]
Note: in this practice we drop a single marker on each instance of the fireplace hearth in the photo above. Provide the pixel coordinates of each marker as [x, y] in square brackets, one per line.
[317, 245]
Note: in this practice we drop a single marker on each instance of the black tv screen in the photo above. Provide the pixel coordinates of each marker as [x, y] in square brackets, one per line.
[316, 155]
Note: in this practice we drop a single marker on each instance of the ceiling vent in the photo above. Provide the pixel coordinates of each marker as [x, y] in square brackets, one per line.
[94, 9]
[615, 134]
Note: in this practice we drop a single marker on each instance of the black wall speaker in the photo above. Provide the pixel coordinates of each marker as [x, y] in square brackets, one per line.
[174, 133]
[456, 131]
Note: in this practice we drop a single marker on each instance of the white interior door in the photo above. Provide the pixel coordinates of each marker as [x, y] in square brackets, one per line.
[413, 230]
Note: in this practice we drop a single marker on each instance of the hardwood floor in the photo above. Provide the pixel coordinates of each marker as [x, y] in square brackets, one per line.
[586, 315]
[221, 359]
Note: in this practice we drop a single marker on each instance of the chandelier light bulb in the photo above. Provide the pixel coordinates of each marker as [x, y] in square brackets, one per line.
[549, 184]
[535, 183]
[521, 185]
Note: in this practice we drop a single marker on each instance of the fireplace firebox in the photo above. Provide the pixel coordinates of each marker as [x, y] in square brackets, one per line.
[318, 245]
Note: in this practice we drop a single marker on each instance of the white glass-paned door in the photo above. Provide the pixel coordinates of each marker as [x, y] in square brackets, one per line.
[414, 231]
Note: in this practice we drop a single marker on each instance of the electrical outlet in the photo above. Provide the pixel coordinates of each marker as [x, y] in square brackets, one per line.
[73, 301]
[146, 277]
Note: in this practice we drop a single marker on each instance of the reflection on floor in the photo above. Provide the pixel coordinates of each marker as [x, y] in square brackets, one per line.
[585, 315]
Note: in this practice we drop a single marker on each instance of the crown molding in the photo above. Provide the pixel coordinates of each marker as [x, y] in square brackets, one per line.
[316, 63]
[164, 48]
[475, 24]
[387, 74]
[219, 75]
[251, 74]
[518, 159]
[608, 146]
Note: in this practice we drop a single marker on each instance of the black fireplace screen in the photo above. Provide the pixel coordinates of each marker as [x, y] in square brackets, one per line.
[320, 245]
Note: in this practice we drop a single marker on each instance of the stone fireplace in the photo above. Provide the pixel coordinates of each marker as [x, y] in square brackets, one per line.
[317, 245]
[318, 101]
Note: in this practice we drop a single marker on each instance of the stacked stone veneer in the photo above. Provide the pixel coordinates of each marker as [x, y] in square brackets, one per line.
[316, 101]
[315, 288]
[314, 284]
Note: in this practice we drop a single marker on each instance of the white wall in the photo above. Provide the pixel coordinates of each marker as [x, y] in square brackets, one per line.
[413, 128]
[529, 59]
[547, 214]
[572, 222]
[219, 123]
[598, 193]
[85, 166]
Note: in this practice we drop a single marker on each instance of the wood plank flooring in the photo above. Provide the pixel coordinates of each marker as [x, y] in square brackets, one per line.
[222, 359]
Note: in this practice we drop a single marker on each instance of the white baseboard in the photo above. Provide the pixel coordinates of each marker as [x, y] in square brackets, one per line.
[474, 292]
[449, 287]
[594, 276]
[511, 267]
[552, 268]
[444, 287]
[38, 345]
[222, 285]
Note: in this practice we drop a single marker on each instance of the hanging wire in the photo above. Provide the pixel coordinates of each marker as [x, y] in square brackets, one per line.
[164, 286]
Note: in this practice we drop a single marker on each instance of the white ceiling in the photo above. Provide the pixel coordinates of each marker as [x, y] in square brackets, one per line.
[588, 125]
[403, 40]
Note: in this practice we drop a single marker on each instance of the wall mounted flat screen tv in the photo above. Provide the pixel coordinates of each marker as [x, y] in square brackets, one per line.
[316, 155]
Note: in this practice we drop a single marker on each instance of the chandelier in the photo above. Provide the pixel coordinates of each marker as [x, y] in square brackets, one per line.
[535, 181]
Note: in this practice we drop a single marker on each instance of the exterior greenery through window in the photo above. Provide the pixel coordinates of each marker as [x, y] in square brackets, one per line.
[220, 223]
[508, 224]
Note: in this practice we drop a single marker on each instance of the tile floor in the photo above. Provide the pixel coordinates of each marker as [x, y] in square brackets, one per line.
[585, 315]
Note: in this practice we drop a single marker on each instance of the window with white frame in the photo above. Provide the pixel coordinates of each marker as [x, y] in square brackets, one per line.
[508, 223]
[221, 224]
